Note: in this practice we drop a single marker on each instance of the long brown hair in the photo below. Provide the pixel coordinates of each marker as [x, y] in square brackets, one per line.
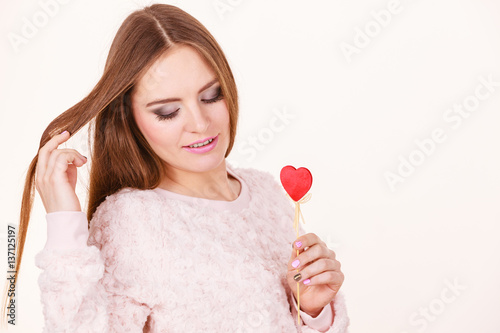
[141, 39]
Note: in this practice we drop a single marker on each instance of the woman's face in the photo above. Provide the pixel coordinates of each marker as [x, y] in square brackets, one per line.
[179, 102]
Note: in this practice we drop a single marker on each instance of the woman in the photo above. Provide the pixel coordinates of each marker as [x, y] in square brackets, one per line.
[174, 239]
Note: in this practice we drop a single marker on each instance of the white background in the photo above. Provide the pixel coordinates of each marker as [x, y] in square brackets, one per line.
[353, 119]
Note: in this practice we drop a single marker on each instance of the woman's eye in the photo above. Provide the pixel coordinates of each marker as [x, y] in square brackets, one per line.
[216, 98]
[161, 116]
[171, 115]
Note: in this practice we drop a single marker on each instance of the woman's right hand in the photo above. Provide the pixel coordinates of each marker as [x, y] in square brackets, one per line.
[56, 174]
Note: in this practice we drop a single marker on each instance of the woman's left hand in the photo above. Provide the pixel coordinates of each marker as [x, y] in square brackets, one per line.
[318, 269]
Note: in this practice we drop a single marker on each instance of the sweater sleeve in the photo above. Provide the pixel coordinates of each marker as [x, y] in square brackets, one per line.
[75, 280]
[318, 324]
[321, 322]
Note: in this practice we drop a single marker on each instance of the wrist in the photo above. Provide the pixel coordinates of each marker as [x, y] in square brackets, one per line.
[312, 312]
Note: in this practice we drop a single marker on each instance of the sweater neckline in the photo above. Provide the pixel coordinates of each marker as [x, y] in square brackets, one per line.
[241, 202]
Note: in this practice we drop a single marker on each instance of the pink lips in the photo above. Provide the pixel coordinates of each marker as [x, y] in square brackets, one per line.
[199, 141]
[203, 149]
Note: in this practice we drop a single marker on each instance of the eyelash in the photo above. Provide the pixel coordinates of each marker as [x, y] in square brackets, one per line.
[208, 101]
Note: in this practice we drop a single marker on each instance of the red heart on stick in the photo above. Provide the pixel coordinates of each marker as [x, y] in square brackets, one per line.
[296, 181]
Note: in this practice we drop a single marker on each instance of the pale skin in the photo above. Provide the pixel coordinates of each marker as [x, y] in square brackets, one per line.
[180, 74]
[317, 263]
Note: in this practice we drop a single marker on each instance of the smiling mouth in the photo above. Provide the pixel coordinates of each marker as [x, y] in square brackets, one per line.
[196, 145]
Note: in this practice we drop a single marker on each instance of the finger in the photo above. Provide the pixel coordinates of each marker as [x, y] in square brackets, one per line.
[58, 163]
[317, 267]
[305, 241]
[326, 277]
[313, 253]
[46, 150]
[60, 159]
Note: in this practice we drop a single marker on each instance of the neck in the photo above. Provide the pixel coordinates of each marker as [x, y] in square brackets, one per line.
[215, 184]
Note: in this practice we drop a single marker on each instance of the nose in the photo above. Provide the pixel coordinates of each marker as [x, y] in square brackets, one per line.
[197, 121]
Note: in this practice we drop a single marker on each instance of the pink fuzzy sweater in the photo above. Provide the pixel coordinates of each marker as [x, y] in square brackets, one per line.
[158, 261]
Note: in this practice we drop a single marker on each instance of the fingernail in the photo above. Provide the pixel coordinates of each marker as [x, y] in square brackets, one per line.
[297, 277]
[63, 132]
[85, 157]
[296, 263]
[298, 244]
[307, 281]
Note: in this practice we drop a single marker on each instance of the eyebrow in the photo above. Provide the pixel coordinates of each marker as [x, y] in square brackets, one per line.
[166, 100]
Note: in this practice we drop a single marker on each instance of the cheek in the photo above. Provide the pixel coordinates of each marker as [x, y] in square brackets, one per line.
[160, 136]
[149, 129]
[223, 115]
[141, 124]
